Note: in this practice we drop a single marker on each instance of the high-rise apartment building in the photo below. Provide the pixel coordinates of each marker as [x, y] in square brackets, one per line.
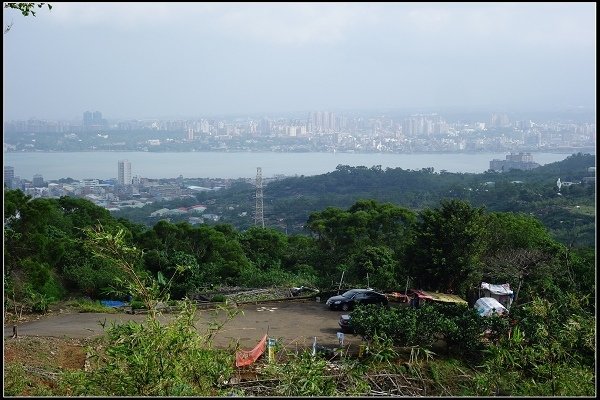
[9, 176]
[499, 120]
[9, 173]
[323, 121]
[38, 180]
[124, 176]
[423, 125]
[93, 120]
[190, 134]
[87, 118]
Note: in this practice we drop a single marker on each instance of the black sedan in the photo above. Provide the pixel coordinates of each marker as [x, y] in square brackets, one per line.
[351, 298]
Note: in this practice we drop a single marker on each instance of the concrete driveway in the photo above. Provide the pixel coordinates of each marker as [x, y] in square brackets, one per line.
[293, 323]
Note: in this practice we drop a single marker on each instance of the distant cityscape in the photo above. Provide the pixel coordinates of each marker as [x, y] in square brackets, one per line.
[127, 190]
[317, 131]
[132, 191]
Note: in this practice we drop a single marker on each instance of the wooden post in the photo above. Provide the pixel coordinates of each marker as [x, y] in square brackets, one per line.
[340, 286]
[518, 288]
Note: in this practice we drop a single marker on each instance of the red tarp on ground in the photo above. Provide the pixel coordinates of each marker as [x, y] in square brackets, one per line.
[243, 357]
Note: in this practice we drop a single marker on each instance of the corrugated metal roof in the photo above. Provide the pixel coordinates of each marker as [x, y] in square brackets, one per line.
[443, 297]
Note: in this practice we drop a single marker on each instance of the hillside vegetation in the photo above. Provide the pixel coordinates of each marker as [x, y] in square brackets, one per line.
[59, 248]
[570, 215]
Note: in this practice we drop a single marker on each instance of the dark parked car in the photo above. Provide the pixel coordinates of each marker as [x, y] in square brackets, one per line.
[352, 297]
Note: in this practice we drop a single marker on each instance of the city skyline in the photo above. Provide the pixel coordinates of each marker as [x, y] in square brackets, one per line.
[177, 60]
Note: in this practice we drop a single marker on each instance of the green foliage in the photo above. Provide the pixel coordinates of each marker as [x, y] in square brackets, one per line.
[352, 379]
[168, 262]
[303, 375]
[26, 8]
[152, 359]
[550, 352]
[17, 381]
[43, 245]
[265, 247]
[431, 325]
[301, 253]
[292, 200]
[91, 306]
[551, 346]
[137, 305]
[113, 248]
[93, 277]
[448, 246]
[463, 329]
[581, 271]
[497, 327]
[368, 237]
[460, 326]
[381, 350]
[41, 279]
[275, 277]
[512, 230]
[36, 286]
[83, 213]
[377, 266]
[219, 298]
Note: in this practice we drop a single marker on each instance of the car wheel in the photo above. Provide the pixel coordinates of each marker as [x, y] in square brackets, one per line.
[345, 307]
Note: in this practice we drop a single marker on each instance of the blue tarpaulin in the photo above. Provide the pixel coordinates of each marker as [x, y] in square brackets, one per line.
[113, 303]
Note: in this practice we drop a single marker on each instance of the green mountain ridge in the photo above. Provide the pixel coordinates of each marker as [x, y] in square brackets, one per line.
[289, 202]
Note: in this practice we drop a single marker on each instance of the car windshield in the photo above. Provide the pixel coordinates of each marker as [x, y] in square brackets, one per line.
[349, 294]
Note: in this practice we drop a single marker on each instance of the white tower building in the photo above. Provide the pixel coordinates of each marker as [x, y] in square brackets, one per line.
[124, 177]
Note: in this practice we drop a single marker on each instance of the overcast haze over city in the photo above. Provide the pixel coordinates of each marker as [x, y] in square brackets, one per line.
[179, 60]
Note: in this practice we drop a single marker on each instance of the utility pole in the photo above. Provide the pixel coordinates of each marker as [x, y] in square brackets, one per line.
[258, 215]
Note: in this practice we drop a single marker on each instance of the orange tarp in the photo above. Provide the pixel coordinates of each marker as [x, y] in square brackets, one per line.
[243, 357]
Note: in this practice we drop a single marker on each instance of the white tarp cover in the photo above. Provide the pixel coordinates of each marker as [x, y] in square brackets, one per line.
[497, 289]
[486, 306]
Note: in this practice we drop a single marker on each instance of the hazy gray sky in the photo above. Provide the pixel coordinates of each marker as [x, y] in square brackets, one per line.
[142, 60]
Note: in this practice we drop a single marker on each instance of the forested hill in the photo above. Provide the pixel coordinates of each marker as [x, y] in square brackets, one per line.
[289, 202]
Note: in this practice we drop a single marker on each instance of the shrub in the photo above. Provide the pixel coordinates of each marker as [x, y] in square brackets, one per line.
[219, 298]
[137, 305]
[460, 326]
[303, 375]
[89, 306]
[153, 359]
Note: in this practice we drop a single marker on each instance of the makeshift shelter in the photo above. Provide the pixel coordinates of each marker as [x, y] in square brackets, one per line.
[445, 298]
[421, 296]
[487, 306]
[418, 298]
[397, 296]
[502, 293]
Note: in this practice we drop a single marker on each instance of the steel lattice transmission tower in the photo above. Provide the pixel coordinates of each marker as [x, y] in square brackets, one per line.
[259, 216]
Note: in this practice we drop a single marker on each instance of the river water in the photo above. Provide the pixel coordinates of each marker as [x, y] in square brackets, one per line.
[103, 165]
